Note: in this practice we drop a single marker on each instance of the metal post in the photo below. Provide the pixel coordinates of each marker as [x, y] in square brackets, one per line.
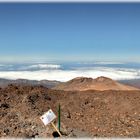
[59, 119]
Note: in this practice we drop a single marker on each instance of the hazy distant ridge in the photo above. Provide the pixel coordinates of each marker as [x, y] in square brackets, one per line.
[45, 83]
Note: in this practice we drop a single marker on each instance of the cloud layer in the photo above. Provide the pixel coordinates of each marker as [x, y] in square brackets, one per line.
[39, 67]
[65, 75]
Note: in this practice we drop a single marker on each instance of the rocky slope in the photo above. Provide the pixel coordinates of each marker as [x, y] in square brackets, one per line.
[100, 83]
[92, 114]
[25, 82]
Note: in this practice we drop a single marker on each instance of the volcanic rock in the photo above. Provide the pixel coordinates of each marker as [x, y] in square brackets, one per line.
[100, 83]
[111, 113]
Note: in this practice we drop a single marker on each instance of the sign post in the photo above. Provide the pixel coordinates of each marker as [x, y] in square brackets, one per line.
[47, 118]
[56, 129]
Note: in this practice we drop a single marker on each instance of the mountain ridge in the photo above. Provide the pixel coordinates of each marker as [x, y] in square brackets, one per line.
[86, 83]
[24, 82]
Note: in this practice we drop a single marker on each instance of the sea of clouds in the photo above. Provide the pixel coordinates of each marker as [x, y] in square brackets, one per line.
[56, 72]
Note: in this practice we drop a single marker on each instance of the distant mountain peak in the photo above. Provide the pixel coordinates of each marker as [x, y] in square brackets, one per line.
[100, 83]
[102, 79]
[80, 80]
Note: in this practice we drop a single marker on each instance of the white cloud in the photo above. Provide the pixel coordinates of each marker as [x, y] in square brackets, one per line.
[45, 66]
[108, 63]
[40, 66]
[65, 75]
[102, 62]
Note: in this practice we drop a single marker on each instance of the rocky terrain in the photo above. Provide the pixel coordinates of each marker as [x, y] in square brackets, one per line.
[89, 113]
[100, 83]
[25, 82]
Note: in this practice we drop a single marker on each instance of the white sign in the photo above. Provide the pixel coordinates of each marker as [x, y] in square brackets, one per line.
[48, 117]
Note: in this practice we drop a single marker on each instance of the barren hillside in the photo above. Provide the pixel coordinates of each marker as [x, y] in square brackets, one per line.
[100, 83]
[92, 114]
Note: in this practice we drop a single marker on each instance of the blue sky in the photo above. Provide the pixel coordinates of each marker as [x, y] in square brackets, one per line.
[70, 32]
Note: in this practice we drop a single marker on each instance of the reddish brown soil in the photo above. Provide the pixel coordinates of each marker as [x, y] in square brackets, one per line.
[100, 83]
[83, 114]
